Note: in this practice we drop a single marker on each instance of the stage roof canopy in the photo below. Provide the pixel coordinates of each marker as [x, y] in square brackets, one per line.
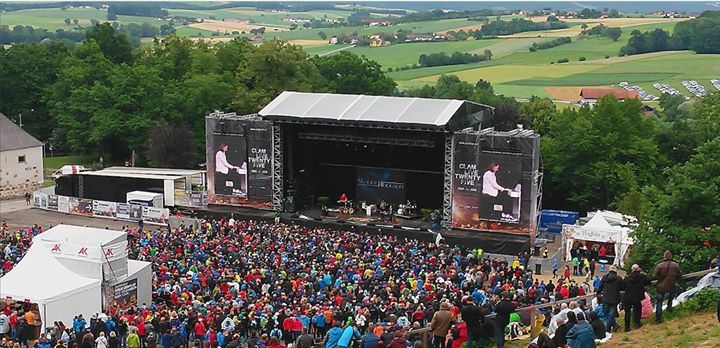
[349, 109]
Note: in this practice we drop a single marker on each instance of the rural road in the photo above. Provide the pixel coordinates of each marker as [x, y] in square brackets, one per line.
[336, 51]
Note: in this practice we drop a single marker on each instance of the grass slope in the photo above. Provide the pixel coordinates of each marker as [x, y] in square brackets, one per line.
[54, 18]
[408, 53]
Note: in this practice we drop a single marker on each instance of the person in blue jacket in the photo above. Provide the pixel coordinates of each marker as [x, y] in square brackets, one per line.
[79, 324]
[319, 322]
[333, 335]
[581, 335]
[348, 334]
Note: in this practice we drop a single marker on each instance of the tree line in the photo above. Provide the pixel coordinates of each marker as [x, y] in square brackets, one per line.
[701, 35]
[516, 25]
[106, 97]
[601, 30]
[442, 58]
[549, 44]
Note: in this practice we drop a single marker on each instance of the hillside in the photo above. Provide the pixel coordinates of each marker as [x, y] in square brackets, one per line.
[698, 331]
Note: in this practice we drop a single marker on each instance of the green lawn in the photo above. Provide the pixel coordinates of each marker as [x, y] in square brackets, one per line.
[320, 49]
[51, 164]
[54, 18]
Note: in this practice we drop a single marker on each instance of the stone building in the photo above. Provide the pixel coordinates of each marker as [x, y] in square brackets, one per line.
[21, 160]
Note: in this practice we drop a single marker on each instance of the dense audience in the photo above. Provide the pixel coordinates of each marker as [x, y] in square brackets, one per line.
[230, 283]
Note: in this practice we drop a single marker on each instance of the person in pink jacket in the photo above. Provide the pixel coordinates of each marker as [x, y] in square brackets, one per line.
[647, 308]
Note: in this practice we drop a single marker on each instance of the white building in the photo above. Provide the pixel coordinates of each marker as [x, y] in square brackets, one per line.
[21, 160]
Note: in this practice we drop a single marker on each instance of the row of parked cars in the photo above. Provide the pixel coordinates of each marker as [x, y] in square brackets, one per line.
[666, 88]
[644, 95]
[695, 88]
[716, 83]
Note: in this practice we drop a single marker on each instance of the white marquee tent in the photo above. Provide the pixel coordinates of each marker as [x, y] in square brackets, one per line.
[604, 227]
[59, 292]
[68, 268]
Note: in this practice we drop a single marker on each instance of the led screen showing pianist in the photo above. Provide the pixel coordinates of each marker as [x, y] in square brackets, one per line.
[501, 187]
[230, 166]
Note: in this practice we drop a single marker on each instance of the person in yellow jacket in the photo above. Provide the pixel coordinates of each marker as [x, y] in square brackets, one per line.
[133, 340]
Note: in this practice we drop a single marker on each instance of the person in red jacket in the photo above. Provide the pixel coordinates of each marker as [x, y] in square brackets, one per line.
[275, 343]
[459, 335]
[200, 330]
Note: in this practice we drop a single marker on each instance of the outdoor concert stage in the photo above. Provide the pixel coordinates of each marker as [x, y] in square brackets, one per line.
[376, 156]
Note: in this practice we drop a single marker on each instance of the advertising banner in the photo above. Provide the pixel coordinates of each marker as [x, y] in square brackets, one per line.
[198, 199]
[63, 204]
[259, 159]
[104, 209]
[40, 200]
[52, 202]
[123, 210]
[156, 215]
[81, 206]
[124, 294]
[376, 184]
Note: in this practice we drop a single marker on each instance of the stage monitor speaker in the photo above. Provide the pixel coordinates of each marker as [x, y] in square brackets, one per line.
[371, 224]
[397, 226]
[340, 221]
[317, 219]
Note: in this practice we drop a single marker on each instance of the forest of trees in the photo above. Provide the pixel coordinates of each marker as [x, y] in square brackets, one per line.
[701, 35]
[516, 25]
[442, 58]
[104, 97]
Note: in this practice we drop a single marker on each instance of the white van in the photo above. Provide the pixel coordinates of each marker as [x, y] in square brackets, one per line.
[68, 169]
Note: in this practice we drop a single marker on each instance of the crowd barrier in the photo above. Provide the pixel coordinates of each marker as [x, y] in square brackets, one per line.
[101, 209]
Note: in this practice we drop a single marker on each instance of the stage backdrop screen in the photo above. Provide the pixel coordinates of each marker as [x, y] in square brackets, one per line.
[376, 184]
[239, 161]
[487, 187]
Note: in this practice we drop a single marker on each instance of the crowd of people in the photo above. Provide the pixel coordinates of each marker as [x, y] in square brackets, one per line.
[239, 283]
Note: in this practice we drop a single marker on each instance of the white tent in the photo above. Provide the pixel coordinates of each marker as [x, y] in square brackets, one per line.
[604, 227]
[59, 292]
[91, 252]
[69, 269]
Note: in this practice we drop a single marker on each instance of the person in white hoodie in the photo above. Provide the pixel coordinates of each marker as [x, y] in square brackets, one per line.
[101, 341]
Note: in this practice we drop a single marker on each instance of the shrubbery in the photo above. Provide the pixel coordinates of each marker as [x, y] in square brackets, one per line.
[549, 44]
[442, 58]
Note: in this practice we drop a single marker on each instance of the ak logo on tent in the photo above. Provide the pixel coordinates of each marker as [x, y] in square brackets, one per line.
[56, 248]
[83, 251]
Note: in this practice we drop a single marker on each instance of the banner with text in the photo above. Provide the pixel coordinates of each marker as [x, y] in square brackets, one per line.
[259, 148]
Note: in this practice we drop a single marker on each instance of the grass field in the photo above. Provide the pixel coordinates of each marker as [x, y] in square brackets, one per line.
[54, 18]
[51, 164]
[514, 71]
[408, 53]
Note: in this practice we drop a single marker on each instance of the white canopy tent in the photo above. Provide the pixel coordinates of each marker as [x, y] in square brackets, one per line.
[68, 269]
[604, 227]
[59, 292]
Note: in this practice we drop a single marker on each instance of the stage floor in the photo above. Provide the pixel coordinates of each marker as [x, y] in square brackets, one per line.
[492, 242]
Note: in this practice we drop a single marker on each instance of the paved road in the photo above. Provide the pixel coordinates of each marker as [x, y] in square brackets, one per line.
[20, 216]
[335, 51]
[13, 205]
